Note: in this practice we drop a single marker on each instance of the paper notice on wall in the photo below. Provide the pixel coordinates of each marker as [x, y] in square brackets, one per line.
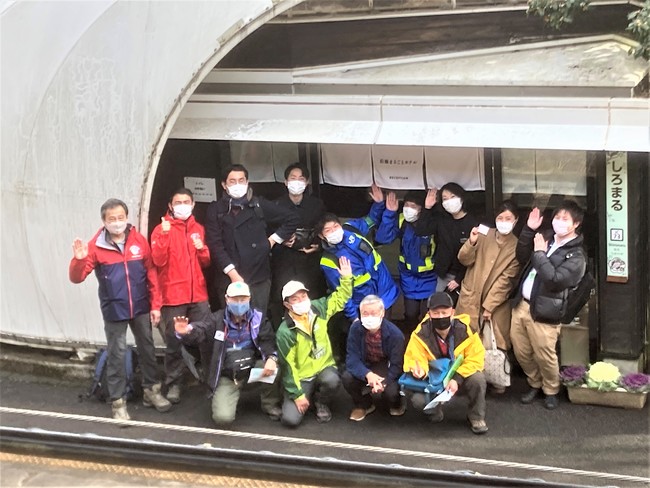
[398, 167]
[257, 157]
[204, 189]
[346, 164]
[462, 165]
[284, 154]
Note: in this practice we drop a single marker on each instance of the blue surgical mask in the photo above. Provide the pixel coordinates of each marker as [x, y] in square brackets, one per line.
[239, 308]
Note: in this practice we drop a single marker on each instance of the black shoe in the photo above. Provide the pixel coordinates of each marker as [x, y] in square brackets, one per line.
[551, 402]
[529, 396]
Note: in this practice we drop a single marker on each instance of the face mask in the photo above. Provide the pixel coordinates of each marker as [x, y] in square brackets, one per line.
[370, 322]
[410, 214]
[182, 211]
[505, 228]
[453, 205]
[116, 228]
[239, 308]
[560, 227]
[238, 190]
[296, 187]
[441, 323]
[301, 308]
[335, 237]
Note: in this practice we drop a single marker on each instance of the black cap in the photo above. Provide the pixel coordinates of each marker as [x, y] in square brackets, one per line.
[440, 299]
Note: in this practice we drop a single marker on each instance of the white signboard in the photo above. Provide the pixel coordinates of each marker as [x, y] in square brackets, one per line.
[398, 167]
[616, 198]
[204, 189]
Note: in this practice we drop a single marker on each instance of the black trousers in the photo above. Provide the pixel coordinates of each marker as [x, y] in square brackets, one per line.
[361, 392]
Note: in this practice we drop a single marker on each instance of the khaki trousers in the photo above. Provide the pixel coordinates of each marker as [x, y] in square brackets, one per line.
[534, 347]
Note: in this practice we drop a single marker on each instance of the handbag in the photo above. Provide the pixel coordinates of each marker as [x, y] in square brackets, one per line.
[238, 363]
[497, 366]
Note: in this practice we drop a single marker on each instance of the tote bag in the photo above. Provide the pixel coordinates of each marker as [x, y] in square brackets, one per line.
[497, 365]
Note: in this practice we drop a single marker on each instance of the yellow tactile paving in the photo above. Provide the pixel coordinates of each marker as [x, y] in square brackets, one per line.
[190, 479]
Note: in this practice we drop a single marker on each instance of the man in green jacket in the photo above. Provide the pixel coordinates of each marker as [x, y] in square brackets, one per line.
[308, 367]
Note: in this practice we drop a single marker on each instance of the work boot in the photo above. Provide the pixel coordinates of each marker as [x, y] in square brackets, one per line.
[119, 410]
[529, 396]
[323, 413]
[152, 397]
[174, 394]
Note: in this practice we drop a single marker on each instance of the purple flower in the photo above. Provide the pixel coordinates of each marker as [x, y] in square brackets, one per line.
[573, 375]
[636, 382]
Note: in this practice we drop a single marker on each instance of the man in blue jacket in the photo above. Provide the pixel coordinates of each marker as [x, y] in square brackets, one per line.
[375, 355]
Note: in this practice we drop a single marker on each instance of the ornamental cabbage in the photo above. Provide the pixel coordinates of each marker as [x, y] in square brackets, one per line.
[603, 376]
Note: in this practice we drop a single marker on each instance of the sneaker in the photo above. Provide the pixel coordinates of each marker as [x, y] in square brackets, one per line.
[174, 394]
[119, 410]
[529, 396]
[399, 410]
[360, 413]
[551, 402]
[323, 413]
[478, 426]
[151, 397]
[437, 415]
[274, 413]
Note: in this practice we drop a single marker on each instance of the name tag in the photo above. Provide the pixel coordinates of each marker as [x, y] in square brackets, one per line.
[219, 335]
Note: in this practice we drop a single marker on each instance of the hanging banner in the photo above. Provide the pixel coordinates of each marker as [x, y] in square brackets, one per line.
[398, 167]
[346, 164]
[257, 157]
[284, 154]
[462, 165]
[616, 199]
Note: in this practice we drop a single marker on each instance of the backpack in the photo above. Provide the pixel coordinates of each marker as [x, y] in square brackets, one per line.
[578, 296]
[99, 386]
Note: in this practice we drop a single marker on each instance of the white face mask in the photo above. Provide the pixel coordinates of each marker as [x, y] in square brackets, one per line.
[115, 228]
[370, 322]
[453, 205]
[560, 227]
[335, 237]
[410, 214]
[182, 211]
[296, 187]
[238, 190]
[301, 308]
[505, 228]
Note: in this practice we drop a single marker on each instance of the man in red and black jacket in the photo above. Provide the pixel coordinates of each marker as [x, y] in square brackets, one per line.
[179, 252]
[129, 295]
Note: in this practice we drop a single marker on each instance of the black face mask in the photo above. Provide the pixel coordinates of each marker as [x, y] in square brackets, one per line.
[440, 323]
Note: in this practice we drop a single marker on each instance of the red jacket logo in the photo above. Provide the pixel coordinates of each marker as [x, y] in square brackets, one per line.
[136, 252]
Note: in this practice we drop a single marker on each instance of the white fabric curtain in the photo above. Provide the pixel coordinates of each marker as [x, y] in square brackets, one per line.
[346, 164]
[398, 167]
[462, 165]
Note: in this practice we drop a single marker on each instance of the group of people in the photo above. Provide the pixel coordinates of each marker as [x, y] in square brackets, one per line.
[275, 325]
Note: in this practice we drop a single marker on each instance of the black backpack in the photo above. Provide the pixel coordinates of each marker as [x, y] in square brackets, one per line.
[578, 296]
[99, 386]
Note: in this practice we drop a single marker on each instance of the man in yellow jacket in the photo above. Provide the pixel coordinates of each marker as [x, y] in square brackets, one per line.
[442, 335]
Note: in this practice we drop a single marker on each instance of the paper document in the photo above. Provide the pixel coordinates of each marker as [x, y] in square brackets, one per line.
[256, 376]
[445, 396]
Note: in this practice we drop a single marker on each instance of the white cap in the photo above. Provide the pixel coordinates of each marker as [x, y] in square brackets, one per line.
[238, 289]
[292, 287]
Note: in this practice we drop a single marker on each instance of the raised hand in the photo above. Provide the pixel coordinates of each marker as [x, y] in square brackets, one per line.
[473, 236]
[431, 198]
[181, 325]
[376, 194]
[534, 219]
[80, 249]
[391, 202]
[345, 268]
[165, 225]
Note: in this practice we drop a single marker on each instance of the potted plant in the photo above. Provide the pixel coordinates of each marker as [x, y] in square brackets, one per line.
[603, 384]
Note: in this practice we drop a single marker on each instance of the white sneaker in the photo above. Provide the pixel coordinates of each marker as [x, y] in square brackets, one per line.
[119, 410]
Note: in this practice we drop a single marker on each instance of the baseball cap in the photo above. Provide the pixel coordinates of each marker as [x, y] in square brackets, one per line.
[440, 299]
[238, 289]
[292, 287]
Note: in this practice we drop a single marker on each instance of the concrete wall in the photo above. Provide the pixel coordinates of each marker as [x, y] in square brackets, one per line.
[89, 93]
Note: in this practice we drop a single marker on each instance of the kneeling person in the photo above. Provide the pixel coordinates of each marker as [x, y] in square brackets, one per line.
[308, 367]
[375, 354]
[242, 339]
[443, 335]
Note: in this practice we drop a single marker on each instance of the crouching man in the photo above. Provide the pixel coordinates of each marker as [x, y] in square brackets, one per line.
[129, 295]
[375, 354]
[442, 335]
[308, 367]
[242, 339]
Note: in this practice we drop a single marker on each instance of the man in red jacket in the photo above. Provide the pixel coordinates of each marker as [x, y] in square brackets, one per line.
[129, 295]
[179, 252]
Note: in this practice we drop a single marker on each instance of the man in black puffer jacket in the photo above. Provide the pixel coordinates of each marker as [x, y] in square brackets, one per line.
[552, 264]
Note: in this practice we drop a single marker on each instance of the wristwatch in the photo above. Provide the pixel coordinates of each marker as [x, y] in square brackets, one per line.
[273, 358]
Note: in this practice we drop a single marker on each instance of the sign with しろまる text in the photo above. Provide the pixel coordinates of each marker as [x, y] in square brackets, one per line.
[616, 199]
[204, 189]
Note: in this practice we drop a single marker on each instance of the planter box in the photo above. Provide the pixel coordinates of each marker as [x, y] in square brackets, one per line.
[617, 398]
